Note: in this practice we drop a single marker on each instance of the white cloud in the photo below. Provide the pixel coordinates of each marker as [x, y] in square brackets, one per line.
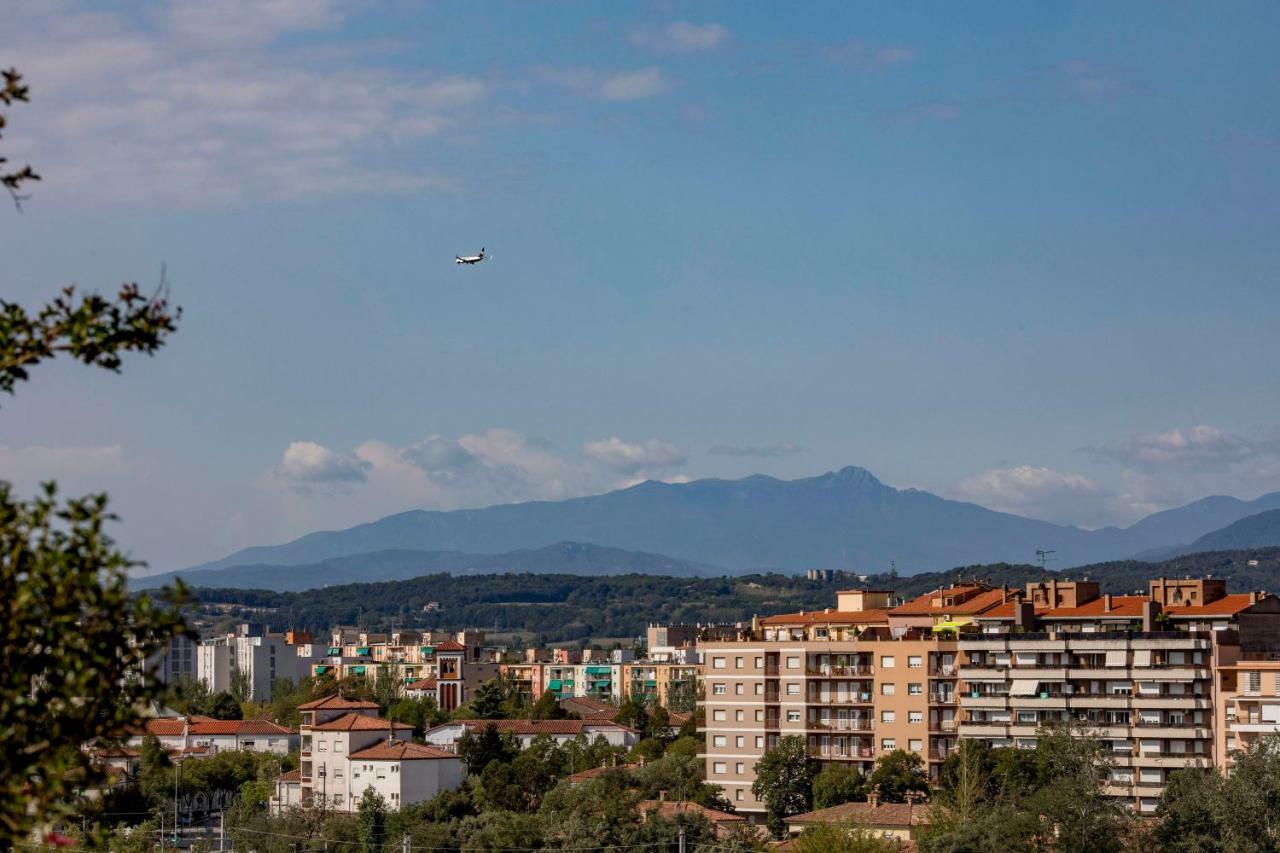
[619, 86]
[681, 37]
[212, 106]
[1038, 493]
[632, 458]
[479, 469]
[306, 465]
[1197, 448]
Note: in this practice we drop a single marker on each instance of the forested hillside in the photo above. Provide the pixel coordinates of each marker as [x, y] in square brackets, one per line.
[567, 607]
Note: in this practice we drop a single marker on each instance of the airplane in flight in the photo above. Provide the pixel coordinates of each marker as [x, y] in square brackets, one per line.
[470, 259]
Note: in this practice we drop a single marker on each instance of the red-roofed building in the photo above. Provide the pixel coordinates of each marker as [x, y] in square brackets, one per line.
[446, 736]
[1140, 669]
[197, 735]
[347, 747]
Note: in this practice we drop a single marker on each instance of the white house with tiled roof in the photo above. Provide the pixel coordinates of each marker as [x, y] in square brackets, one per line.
[204, 735]
[347, 748]
[446, 735]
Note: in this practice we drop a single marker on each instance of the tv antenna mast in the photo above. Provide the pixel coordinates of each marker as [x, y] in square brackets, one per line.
[1043, 556]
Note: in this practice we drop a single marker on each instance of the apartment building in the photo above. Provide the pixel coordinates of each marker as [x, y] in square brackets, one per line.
[198, 735]
[1137, 670]
[856, 682]
[427, 665]
[664, 682]
[176, 661]
[252, 652]
[346, 748]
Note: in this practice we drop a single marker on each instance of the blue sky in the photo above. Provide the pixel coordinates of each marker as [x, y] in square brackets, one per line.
[1021, 254]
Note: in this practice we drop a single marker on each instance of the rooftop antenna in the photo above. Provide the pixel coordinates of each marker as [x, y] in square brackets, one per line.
[1044, 557]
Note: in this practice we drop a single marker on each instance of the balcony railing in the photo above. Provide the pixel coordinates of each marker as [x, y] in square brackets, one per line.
[863, 752]
[859, 725]
[860, 670]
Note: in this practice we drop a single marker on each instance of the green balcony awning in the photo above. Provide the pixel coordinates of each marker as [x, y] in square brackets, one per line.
[363, 651]
[321, 670]
[428, 650]
[357, 670]
[554, 684]
[599, 670]
[335, 650]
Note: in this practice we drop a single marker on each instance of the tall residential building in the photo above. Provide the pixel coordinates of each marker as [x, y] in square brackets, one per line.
[426, 665]
[253, 653]
[1136, 670]
[855, 683]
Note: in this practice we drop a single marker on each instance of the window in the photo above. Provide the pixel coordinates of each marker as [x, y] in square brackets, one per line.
[915, 716]
[886, 689]
[717, 663]
[739, 741]
[793, 663]
[718, 715]
[759, 741]
[888, 717]
[759, 716]
[888, 744]
[793, 689]
[322, 746]
[759, 663]
[915, 689]
[737, 689]
[739, 768]
[720, 767]
[887, 662]
[914, 661]
[717, 690]
[1253, 681]
[737, 794]
[793, 716]
[759, 688]
[337, 744]
[915, 745]
[337, 799]
[739, 715]
[739, 663]
[719, 740]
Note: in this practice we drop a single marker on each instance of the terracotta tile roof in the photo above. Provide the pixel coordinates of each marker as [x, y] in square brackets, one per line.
[534, 727]
[668, 809]
[359, 723]
[881, 814]
[677, 719]
[116, 752]
[1122, 607]
[978, 602]
[1228, 605]
[401, 751]
[209, 727]
[422, 684]
[294, 775]
[450, 646]
[827, 617]
[336, 702]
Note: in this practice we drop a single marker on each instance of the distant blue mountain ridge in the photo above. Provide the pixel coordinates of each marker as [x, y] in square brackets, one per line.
[842, 519]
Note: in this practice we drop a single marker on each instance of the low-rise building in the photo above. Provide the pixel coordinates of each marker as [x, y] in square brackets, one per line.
[893, 821]
[447, 735]
[206, 736]
[346, 748]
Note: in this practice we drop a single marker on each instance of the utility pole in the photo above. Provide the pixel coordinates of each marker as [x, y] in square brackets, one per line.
[404, 844]
[222, 831]
[682, 839]
[177, 771]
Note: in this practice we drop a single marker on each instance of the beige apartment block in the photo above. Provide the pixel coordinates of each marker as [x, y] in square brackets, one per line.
[850, 681]
[1135, 670]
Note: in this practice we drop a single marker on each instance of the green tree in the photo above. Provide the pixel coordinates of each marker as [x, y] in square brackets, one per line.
[240, 688]
[190, 696]
[476, 751]
[488, 700]
[842, 838]
[547, 708]
[14, 90]
[836, 784]
[897, 774]
[372, 821]
[1072, 806]
[1190, 814]
[784, 781]
[224, 706]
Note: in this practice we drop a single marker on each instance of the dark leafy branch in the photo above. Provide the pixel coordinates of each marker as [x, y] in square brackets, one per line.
[12, 91]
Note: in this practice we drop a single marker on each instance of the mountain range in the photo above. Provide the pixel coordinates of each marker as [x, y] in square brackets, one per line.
[841, 519]
[566, 558]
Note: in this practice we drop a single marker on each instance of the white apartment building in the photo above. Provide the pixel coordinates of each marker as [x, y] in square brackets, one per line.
[346, 748]
[252, 650]
[446, 735]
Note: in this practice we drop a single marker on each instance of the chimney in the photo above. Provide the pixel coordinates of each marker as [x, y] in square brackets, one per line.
[1253, 598]
[1150, 610]
[662, 795]
[1106, 603]
[873, 798]
[1024, 613]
